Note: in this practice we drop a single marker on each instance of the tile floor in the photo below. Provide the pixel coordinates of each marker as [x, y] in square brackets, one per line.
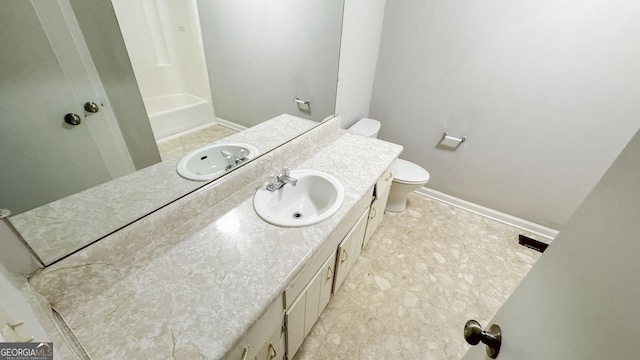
[425, 272]
[176, 148]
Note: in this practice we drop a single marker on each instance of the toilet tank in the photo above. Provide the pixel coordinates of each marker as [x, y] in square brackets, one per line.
[366, 127]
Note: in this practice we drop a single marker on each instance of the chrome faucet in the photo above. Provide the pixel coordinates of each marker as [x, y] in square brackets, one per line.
[233, 160]
[278, 181]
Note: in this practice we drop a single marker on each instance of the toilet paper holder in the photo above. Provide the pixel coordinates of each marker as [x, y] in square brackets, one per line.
[446, 136]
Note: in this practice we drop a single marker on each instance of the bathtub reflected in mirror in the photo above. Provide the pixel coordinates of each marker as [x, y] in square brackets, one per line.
[173, 114]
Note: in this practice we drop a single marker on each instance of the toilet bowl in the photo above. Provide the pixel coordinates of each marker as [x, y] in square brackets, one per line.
[407, 176]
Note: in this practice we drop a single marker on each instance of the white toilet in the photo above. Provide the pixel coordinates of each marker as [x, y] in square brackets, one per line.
[407, 176]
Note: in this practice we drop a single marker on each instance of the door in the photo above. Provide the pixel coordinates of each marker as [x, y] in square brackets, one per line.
[581, 300]
[45, 73]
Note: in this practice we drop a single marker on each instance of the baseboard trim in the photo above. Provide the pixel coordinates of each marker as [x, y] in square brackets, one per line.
[230, 124]
[542, 231]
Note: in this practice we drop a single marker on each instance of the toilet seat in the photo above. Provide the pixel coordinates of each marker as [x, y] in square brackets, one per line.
[410, 173]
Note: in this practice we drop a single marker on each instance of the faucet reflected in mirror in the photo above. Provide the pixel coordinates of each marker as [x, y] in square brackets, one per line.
[162, 86]
[234, 160]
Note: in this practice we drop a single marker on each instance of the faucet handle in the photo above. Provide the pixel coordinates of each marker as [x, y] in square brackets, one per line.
[227, 155]
[285, 170]
[273, 178]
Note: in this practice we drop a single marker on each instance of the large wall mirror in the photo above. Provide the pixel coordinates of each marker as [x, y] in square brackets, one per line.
[79, 160]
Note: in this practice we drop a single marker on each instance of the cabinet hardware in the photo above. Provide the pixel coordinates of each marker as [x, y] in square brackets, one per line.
[15, 324]
[330, 273]
[345, 255]
[388, 177]
[373, 210]
[245, 352]
[272, 351]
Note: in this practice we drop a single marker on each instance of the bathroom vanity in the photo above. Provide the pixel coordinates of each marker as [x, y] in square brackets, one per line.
[205, 277]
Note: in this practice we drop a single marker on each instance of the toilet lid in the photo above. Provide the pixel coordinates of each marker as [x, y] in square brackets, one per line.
[410, 173]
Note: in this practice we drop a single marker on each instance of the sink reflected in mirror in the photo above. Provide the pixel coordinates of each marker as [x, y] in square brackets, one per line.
[154, 100]
[214, 160]
[57, 229]
[315, 197]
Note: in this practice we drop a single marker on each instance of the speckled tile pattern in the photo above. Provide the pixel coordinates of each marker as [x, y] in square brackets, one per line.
[189, 280]
[425, 272]
[178, 147]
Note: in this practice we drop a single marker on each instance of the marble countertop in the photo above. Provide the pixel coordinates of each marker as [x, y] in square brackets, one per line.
[57, 229]
[194, 291]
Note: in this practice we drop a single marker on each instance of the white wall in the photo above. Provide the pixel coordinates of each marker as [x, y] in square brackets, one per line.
[261, 55]
[361, 29]
[165, 46]
[546, 91]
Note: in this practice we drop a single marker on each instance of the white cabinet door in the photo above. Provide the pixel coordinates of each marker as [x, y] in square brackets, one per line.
[304, 312]
[312, 300]
[349, 250]
[375, 215]
[327, 273]
[342, 263]
[306, 309]
[294, 319]
[383, 187]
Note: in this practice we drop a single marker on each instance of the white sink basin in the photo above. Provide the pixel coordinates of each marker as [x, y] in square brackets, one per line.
[316, 196]
[208, 163]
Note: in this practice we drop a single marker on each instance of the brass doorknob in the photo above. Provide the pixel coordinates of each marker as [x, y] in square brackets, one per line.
[91, 107]
[72, 119]
[474, 334]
